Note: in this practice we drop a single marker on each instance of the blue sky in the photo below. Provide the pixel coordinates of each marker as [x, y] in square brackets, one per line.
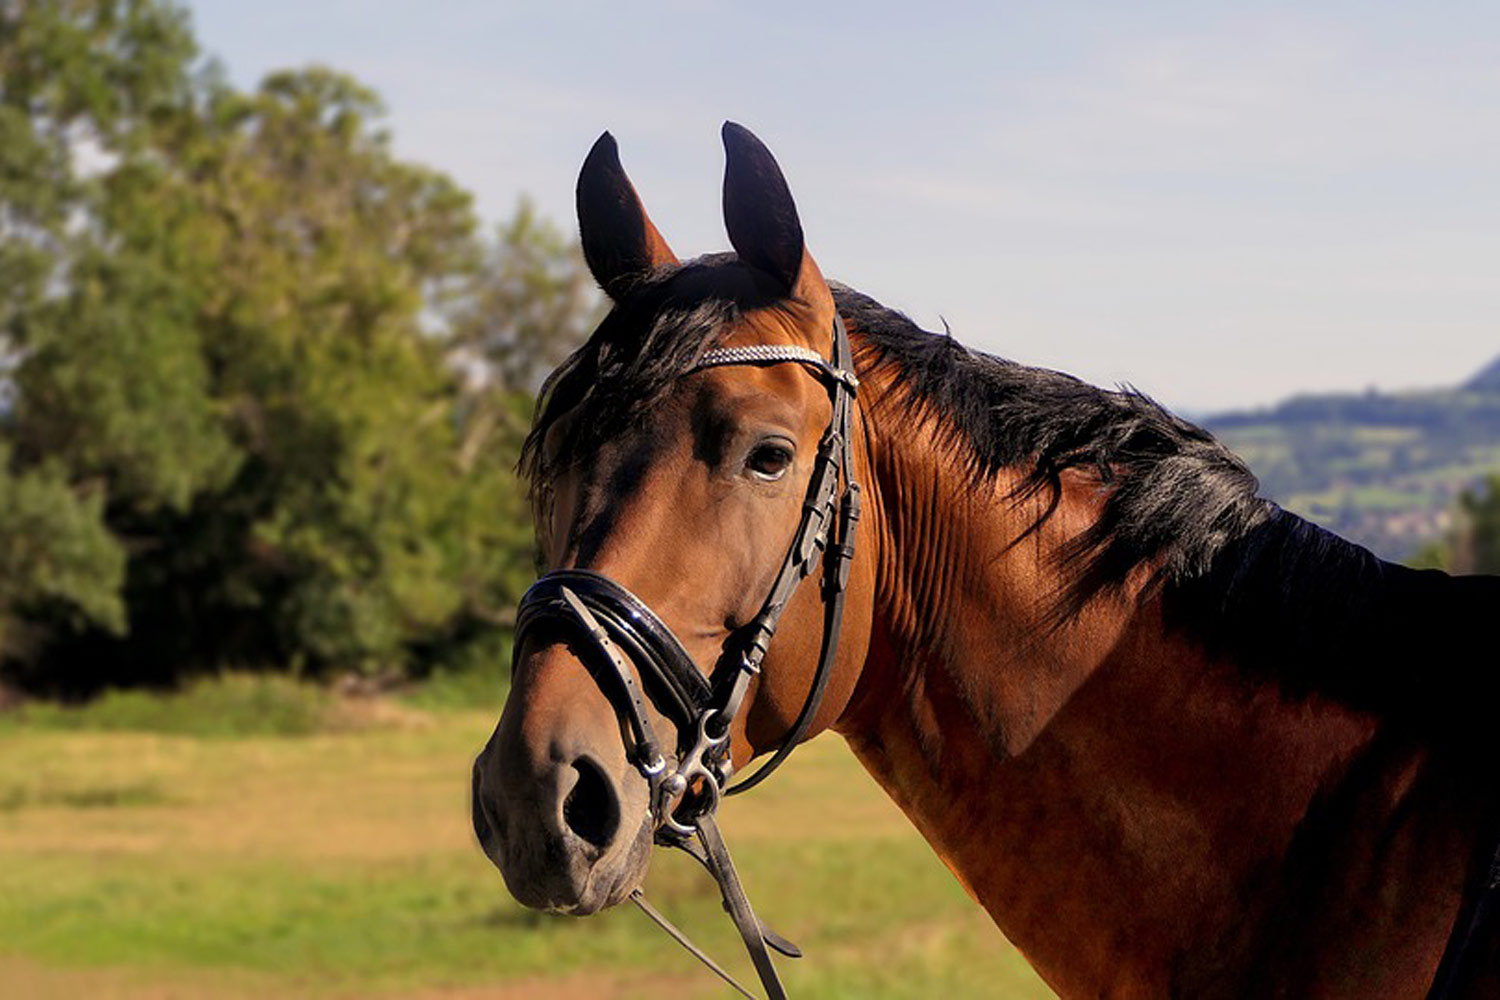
[1220, 204]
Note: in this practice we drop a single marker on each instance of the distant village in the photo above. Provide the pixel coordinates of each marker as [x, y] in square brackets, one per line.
[1383, 469]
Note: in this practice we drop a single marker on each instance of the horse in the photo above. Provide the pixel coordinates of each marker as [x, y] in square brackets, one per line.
[1176, 740]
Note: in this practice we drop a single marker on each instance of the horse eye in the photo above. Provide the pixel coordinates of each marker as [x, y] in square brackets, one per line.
[769, 460]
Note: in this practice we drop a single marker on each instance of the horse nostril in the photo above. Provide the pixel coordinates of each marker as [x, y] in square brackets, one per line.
[591, 809]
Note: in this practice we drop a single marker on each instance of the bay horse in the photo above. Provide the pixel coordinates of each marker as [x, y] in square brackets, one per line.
[1177, 741]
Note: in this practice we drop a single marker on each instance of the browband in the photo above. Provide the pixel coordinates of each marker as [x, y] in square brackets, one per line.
[763, 354]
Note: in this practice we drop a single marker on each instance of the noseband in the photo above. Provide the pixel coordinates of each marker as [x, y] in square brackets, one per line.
[622, 634]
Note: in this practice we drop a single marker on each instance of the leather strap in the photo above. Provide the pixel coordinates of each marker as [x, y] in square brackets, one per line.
[639, 899]
[836, 580]
[1465, 930]
[838, 558]
[775, 941]
[647, 751]
[713, 854]
[738, 905]
[630, 622]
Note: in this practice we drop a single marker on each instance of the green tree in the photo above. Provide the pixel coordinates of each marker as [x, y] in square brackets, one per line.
[1473, 545]
[266, 379]
[78, 80]
[530, 303]
[57, 560]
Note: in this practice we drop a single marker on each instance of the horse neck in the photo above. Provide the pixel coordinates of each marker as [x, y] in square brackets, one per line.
[1107, 790]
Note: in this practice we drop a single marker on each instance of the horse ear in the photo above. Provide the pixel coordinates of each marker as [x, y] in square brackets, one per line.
[758, 208]
[619, 241]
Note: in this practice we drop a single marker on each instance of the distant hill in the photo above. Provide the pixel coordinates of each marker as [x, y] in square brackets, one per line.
[1380, 468]
[1487, 379]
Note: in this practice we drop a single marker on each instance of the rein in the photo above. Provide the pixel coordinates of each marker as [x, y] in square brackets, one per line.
[688, 779]
[1481, 910]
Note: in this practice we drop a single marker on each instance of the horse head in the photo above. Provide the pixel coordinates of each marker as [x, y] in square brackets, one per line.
[679, 461]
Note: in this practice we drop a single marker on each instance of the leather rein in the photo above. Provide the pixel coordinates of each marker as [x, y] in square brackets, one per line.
[622, 634]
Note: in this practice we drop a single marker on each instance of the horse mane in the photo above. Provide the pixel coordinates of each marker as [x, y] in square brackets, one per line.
[1176, 496]
[1233, 568]
[1280, 596]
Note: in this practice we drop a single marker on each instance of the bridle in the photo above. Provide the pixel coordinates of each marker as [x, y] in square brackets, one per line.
[622, 634]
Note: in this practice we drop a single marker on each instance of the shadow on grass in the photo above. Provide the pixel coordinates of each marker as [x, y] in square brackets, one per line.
[514, 918]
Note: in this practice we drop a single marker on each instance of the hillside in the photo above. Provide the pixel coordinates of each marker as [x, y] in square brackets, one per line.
[1380, 468]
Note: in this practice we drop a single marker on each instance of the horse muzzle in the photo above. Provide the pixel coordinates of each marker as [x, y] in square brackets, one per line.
[568, 823]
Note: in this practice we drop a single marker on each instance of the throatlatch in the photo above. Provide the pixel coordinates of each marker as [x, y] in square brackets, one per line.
[622, 634]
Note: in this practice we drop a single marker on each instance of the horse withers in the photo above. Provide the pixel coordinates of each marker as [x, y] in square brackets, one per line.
[1177, 741]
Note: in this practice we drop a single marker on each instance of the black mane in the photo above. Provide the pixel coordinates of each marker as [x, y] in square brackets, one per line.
[1249, 579]
[1279, 595]
[1176, 495]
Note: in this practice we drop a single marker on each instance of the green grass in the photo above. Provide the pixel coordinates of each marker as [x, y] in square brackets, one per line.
[340, 864]
[231, 705]
[481, 687]
[439, 920]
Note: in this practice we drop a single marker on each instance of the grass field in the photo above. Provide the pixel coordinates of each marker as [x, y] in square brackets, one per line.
[152, 865]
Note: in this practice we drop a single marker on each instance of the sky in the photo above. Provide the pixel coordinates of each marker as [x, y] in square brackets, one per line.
[1220, 204]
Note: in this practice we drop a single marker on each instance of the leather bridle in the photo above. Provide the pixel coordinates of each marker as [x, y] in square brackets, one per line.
[621, 635]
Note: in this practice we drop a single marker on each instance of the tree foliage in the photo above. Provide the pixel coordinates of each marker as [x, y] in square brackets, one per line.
[1473, 544]
[265, 378]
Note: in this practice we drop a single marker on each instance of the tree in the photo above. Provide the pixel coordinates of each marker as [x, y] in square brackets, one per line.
[76, 80]
[233, 377]
[1473, 546]
[530, 303]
